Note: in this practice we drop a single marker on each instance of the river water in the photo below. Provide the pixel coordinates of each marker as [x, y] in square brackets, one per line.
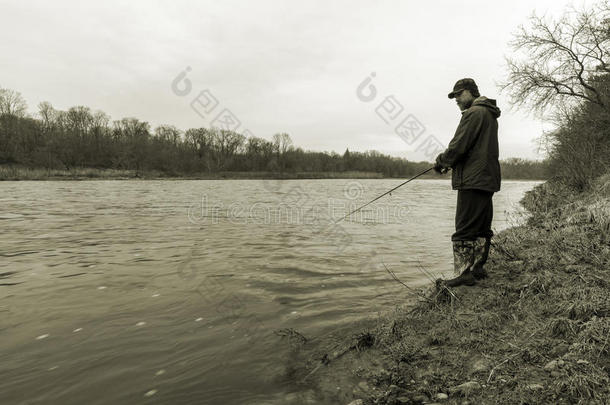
[169, 292]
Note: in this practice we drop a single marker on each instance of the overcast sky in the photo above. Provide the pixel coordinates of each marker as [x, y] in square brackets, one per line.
[278, 66]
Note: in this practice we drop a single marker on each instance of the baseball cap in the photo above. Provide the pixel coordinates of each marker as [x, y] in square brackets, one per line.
[463, 84]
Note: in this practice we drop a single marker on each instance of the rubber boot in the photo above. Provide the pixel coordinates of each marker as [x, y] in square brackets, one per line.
[463, 260]
[481, 252]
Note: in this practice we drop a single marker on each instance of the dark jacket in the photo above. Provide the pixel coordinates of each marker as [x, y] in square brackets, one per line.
[473, 151]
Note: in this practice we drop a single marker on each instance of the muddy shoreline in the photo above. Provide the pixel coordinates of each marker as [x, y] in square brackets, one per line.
[535, 332]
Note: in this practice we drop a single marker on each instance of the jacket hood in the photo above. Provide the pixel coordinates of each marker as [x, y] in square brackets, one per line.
[488, 103]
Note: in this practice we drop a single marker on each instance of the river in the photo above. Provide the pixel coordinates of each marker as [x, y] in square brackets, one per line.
[169, 292]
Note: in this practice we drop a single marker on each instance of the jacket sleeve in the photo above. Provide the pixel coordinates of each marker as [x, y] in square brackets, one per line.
[465, 136]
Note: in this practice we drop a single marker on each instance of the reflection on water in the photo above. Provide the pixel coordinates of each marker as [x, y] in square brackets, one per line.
[169, 291]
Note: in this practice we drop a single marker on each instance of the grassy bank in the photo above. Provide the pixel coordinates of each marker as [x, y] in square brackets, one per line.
[12, 173]
[25, 173]
[87, 173]
[535, 332]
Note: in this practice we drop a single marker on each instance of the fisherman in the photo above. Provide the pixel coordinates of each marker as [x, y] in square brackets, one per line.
[472, 155]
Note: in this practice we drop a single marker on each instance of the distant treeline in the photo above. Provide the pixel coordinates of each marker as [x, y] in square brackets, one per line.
[80, 138]
[515, 168]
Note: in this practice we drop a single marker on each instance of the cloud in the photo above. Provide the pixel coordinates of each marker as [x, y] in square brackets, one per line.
[280, 66]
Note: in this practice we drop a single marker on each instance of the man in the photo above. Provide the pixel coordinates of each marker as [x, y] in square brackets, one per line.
[472, 155]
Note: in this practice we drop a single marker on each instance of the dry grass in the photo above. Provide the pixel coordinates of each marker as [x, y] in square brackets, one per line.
[12, 172]
[547, 299]
[24, 173]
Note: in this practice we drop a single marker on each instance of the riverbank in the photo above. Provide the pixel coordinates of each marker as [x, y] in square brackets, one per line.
[13, 173]
[17, 173]
[535, 332]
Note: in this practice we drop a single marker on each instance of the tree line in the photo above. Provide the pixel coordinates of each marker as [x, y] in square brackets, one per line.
[561, 70]
[80, 137]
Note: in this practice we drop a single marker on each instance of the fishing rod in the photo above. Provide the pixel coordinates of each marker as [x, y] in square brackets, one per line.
[387, 192]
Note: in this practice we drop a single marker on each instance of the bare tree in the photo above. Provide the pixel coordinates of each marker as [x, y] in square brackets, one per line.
[79, 120]
[282, 143]
[559, 61]
[11, 102]
[168, 133]
[228, 144]
[47, 114]
[100, 121]
[203, 142]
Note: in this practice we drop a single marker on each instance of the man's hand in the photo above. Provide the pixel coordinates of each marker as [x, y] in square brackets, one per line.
[438, 167]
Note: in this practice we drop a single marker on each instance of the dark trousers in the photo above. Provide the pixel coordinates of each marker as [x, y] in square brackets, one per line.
[473, 215]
